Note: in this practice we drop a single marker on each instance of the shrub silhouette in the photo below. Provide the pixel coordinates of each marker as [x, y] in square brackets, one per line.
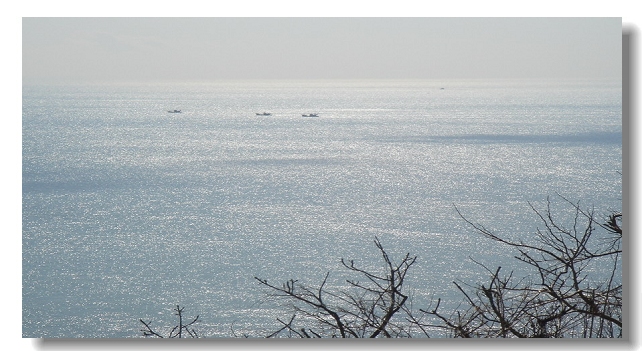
[573, 289]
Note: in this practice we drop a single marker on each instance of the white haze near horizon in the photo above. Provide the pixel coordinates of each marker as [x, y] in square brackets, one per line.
[98, 50]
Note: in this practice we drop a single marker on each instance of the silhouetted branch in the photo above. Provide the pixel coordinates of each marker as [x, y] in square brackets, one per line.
[176, 331]
[562, 300]
[366, 312]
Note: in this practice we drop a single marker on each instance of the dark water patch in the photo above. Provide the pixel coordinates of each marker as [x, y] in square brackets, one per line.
[101, 179]
[610, 138]
[281, 162]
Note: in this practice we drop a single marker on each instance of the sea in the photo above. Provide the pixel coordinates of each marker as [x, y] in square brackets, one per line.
[129, 210]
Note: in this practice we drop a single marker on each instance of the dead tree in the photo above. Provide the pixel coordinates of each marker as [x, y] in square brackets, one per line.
[367, 310]
[181, 330]
[575, 289]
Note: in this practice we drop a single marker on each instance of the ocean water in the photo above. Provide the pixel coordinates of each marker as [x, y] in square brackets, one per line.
[129, 210]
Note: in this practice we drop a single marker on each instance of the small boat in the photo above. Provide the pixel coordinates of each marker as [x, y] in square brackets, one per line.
[174, 111]
[311, 115]
[264, 114]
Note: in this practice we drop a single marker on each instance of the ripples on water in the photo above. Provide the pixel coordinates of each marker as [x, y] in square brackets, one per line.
[129, 210]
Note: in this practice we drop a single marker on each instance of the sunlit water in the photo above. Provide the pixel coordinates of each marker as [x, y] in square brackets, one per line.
[129, 210]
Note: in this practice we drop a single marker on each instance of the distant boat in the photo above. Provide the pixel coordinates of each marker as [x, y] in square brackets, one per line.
[311, 115]
[174, 111]
[264, 114]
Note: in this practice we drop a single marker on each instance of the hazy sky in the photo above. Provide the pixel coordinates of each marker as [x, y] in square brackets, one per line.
[185, 49]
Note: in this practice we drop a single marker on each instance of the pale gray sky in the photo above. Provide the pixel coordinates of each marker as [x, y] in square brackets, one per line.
[187, 49]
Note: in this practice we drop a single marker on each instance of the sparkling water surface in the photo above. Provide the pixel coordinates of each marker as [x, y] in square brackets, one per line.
[129, 210]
